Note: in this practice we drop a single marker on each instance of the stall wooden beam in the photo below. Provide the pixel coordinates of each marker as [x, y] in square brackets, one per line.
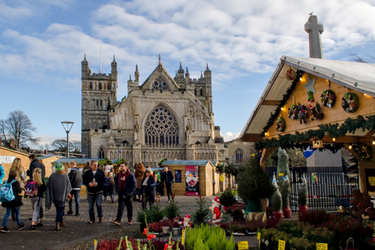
[265, 154]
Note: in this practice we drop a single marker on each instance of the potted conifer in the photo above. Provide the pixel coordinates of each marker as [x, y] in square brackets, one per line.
[283, 177]
[276, 201]
[303, 196]
[227, 199]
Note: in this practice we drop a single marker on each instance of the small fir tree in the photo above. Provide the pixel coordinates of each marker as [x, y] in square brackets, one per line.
[202, 212]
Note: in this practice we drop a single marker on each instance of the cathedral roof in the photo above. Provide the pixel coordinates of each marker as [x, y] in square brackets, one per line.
[189, 162]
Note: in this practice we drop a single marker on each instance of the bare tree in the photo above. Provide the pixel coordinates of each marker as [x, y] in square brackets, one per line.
[60, 145]
[19, 127]
[367, 59]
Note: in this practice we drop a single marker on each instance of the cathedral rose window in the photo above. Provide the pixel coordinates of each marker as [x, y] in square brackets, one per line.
[161, 127]
[160, 84]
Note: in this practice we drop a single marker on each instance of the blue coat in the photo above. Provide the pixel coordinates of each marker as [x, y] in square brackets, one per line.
[130, 185]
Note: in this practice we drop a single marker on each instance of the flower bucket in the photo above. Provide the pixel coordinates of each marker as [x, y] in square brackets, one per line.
[176, 231]
[287, 212]
[302, 209]
[165, 230]
[278, 215]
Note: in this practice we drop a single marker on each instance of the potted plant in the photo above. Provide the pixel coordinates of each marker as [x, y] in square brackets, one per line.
[171, 210]
[202, 212]
[236, 211]
[253, 185]
[227, 199]
[303, 196]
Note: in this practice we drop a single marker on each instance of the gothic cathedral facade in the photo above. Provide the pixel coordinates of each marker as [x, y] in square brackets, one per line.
[163, 117]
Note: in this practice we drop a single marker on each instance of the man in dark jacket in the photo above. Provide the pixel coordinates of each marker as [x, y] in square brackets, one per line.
[75, 177]
[167, 178]
[35, 163]
[125, 186]
[94, 180]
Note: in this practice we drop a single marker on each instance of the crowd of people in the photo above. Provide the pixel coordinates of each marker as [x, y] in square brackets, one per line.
[143, 186]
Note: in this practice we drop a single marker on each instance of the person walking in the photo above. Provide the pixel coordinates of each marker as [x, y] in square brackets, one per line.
[21, 176]
[106, 185]
[35, 163]
[94, 180]
[75, 177]
[16, 203]
[139, 174]
[37, 200]
[147, 188]
[125, 186]
[58, 191]
[85, 168]
[167, 178]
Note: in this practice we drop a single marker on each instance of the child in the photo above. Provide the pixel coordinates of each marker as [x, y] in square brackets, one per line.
[111, 189]
[16, 203]
[147, 188]
[37, 200]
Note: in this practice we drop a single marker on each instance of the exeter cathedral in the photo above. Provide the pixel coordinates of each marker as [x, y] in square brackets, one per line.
[163, 117]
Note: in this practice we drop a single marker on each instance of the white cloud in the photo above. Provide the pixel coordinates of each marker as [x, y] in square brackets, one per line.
[48, 139]
[228, 136]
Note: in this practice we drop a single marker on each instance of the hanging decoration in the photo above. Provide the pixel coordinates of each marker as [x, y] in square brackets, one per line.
[302, 114]
[293, 112]
[350, 102]
[317, 143]
[310, 96]
[366, 152]
[291, 74]
[333, 130]
[310, 84]
[328, 98]
[316, 112]
[280, 124]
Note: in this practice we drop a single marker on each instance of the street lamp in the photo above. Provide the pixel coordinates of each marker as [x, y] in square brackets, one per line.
[67, 126]
[144, 158]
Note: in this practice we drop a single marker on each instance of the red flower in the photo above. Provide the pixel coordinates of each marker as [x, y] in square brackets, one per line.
[145, 231]
[200, 197]
[151, 236]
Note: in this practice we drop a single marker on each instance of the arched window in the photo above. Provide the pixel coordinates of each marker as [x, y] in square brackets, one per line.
[90, 85]
[195, 91]
[161, 127]
[100, 85]
[160, 84]
[201, 91]
[101, 103]
[101, 153]
[239, 155]
[109, 86]
[97, 102]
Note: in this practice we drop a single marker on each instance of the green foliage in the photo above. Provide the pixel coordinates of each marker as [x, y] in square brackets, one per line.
[122, 160]
[206, 237]
[161, 162]
[334, 130]
[171, 210]
[154, 214]
[254, 183]
[227, 198]
[276, 201]
[105, 161]
[202, 212]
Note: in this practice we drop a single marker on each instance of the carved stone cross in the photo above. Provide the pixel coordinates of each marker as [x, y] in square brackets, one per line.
[314, 28]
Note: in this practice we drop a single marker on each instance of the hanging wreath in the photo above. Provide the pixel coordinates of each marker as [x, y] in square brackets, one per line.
[293, 112]
[366, 152]
[328, 98]
[291, 74]
[280, 124]
[350, 102]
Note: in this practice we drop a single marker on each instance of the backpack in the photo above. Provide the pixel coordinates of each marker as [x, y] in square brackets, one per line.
[6, 192]
[31, 188]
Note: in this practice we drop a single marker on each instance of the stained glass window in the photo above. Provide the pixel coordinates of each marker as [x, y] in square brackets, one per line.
[161, 127]
[160, 84]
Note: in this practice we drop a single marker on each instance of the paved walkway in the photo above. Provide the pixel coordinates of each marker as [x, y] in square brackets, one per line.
[77, 230]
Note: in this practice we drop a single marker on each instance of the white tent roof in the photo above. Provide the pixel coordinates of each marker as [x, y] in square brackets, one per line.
[354, 75]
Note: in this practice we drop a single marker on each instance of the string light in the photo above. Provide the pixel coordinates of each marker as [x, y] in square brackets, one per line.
[333, 139]
[373, 142]
[350, 146]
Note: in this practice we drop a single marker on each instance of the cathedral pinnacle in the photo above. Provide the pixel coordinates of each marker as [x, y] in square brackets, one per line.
[136, 75]
[207, 69]
[180, 70]
[114, 56]
[84, 58]
[159, 59]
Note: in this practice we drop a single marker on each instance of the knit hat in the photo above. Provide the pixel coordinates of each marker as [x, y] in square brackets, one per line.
[217, 200]
[59, 167]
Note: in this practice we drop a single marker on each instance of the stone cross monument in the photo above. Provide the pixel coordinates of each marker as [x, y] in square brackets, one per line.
[314, 28]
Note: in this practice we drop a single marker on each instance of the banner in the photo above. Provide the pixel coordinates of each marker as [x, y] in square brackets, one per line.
[192, 180]
[177, 176]
[6, 159]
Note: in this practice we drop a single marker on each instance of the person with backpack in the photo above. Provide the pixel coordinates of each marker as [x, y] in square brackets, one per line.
[35, 188]
[75, 177]
[2, 174]
[9, 196]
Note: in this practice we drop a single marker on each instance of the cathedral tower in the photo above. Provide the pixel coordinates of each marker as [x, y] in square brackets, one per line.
[99, 95]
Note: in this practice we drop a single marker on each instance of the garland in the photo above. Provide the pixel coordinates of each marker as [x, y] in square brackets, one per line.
[333, 130]
[289, 91]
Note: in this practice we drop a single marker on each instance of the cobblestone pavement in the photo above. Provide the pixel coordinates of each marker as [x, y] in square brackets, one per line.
[76, 229]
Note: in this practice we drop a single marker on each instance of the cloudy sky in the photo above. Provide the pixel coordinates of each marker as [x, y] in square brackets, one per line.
[42, 43]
